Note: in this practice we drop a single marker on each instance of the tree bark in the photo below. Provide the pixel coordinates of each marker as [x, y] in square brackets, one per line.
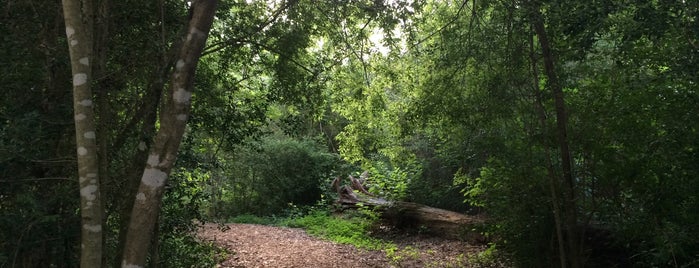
[147, 117]
[78, 17]
[554, 185]
[568, 194]
[163, 153]
[436, 221]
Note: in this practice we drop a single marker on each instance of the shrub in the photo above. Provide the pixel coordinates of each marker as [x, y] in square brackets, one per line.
[268, 175]
[182, 203]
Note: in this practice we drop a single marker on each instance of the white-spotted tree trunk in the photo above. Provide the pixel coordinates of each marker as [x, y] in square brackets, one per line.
[173, 119]
[78, 16]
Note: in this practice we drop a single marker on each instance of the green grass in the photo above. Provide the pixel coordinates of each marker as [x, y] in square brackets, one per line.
[353, 230]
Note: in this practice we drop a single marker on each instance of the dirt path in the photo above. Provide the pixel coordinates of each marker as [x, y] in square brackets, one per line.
[266, 246]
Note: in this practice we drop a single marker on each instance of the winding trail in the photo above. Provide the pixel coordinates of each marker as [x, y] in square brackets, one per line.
[254, 246]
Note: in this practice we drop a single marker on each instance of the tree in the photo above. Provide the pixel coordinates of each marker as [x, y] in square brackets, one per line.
[574, 114]
[471, 113]
[173, 120]
[78, 19]
[569, 212]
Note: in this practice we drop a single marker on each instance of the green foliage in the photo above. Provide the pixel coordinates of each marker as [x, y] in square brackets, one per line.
[188, 251]
[450, 107]
[351, 230]
[517, 202]
[437, 175]
[252, 219]
[388, 182]
[274, 172]
[34, 230]
[178, 223]
[397, 256]
[490, 258]
[39, 224]
[629, 78]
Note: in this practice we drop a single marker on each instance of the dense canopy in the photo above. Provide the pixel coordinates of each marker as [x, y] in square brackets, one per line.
[571, 125]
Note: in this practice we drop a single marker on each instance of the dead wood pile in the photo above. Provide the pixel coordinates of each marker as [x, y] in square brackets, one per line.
[444, 223]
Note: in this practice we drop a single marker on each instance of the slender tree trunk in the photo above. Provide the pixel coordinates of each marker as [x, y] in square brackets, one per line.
[554, 185]
[78, 16]
[570, 210]
[163, 153]
[147, 116]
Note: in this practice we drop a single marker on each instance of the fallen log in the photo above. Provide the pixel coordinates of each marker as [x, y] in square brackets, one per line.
[436, 221]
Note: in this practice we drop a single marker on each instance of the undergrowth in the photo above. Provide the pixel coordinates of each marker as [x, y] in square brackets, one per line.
[253, 219]
[351, 230]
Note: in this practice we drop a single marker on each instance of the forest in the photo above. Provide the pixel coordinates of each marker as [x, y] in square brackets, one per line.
[570, 126]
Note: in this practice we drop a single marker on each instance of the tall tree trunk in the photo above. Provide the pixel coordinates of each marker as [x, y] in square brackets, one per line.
[163, 153]
[147, 116]
[568, 194]
[554, 185]
[78, 16]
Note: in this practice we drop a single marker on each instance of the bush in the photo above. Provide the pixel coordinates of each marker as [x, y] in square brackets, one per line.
[490, 258]
[38, 228]
[269, 175]
[388, 181]
[178, 223]
[519, 209]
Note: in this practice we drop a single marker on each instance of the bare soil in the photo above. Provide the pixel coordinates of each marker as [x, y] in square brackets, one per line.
[251, 245]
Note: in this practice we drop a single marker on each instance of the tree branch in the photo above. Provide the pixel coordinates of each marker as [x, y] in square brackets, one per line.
[234, 41]
[173, 119]
[450, 22]
[39, 179]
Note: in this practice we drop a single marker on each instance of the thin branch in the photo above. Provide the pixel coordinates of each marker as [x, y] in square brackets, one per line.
[56, 160]
[234, 41]
[149, 103]
[450, 22]
[361, 51]
[39, 179]
[345, 36]
[222, 45]
[270, 49]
